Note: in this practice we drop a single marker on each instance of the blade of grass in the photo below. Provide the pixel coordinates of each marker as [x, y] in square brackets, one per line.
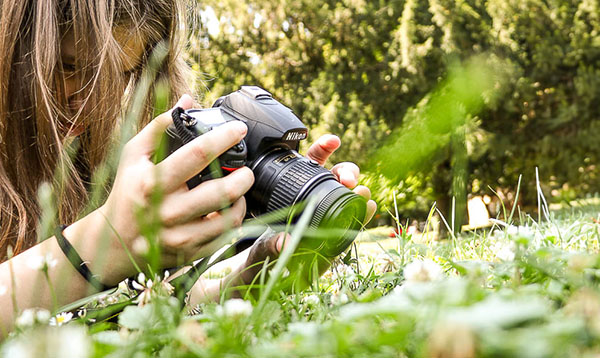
[516, 200]
[286, 254]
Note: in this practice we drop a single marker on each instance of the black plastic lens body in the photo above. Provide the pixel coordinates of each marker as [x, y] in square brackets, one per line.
[284, 178]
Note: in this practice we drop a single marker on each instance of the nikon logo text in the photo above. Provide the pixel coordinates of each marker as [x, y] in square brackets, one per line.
[295, 136]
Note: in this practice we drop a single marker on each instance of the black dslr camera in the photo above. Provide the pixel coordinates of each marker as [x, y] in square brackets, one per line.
[283, 177]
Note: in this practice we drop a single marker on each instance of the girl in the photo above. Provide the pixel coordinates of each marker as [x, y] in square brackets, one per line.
[67, 70]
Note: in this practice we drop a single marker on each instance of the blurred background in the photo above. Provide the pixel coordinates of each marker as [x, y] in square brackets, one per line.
[445, 101]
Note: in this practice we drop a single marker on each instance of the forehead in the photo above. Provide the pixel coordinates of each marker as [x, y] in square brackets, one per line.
[132, 47]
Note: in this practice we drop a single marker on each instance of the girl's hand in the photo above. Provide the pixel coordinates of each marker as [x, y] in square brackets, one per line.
[190, 219]
[347, 174]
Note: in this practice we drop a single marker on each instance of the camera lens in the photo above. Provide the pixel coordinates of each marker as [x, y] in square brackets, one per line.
[284, 178]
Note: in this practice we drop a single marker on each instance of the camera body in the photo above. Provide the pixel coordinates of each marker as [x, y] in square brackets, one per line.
[283, 177]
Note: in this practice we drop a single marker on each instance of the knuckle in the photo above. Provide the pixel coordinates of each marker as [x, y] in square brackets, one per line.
[168, 218]
[232, 193]
[128, 149]
[181, 239]
[174, 242]
[147, 185]
[199, 152]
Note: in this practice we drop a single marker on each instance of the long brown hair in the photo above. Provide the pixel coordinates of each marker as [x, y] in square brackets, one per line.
[34, 113]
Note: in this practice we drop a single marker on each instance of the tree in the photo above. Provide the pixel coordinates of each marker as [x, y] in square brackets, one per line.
[359, 68]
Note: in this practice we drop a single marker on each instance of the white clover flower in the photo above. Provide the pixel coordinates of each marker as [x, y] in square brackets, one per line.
[42, 316]
[71, 341]
[31, 316]
[331, 287]
[343, 272]
[26, 318]
[123, 286]
[42, 262]
[422, 271]
[145, 287]
[150, 288]
[235, 308]
[505, 251]
[141, 278]
[311, 300]
[306, 329]
[339, 298]
[143, 298]
[512, 230]
[328, 274]
[61, 318]
[138, 286]
[526, 231]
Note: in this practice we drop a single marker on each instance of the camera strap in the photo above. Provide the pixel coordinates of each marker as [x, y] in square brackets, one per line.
[183, 131]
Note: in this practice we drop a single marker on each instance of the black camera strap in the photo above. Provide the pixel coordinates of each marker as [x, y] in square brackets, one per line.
[183, 131]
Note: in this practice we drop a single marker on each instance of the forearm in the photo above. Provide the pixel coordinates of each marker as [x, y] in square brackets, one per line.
[28, 285]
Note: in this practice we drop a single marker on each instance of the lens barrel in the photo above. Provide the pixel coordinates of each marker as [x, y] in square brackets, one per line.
[284, 178]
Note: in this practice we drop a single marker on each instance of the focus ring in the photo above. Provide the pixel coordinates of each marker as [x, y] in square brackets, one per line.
[324, 205]
[290, 184]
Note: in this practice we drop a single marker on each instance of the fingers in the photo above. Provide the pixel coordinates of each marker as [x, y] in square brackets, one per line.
[260, 251]
[363, 191]
[371, 208]
[347, 174]
[371, 205]
[146, 140]
[190, 159]
[212, 195]
[323, 148]
[197, 234]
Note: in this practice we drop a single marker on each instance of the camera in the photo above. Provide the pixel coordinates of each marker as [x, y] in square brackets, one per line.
[283, 177]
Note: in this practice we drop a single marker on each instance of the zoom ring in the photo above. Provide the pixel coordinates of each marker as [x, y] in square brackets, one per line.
[290, 184]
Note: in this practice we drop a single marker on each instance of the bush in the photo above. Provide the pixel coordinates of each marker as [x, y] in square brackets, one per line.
[356, 68]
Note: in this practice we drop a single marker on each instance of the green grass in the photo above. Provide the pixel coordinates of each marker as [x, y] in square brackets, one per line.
[508, 291]
[526, 291]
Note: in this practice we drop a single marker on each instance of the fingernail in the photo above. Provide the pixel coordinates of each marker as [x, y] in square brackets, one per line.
[280, 242]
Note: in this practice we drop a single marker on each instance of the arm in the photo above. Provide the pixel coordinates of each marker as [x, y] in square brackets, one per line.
[29, 284]
[190, 220]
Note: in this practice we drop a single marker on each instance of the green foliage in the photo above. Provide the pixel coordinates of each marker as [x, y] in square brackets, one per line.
[361, 69]
[526, 291]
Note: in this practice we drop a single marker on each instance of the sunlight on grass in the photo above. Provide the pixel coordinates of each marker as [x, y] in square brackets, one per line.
[517, 289]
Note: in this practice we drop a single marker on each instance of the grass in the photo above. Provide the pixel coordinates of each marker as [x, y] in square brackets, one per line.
[514, 291]
[508, 291]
